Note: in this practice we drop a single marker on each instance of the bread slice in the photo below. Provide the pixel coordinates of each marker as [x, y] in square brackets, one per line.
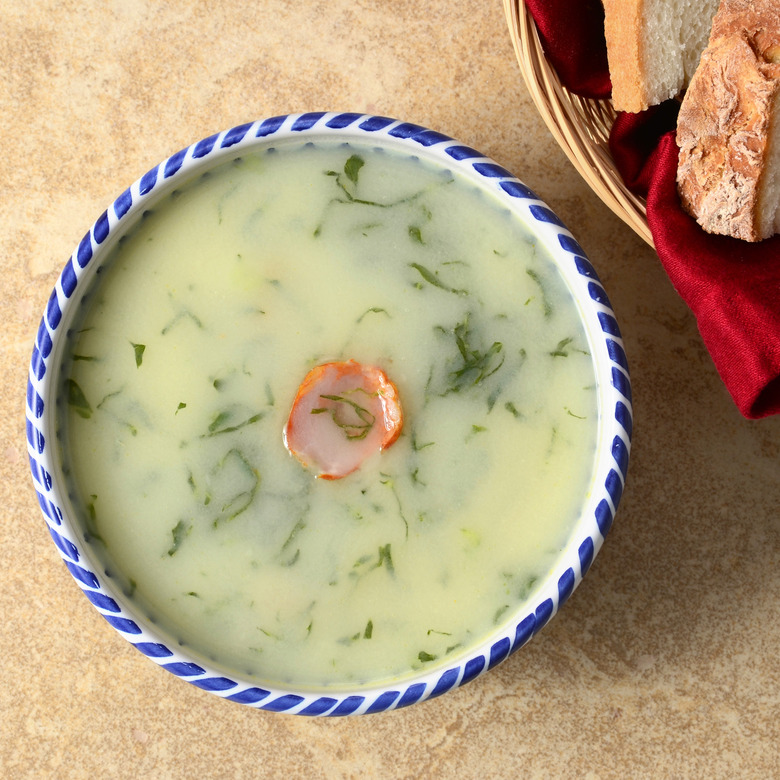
[653, 47]
[728, 128]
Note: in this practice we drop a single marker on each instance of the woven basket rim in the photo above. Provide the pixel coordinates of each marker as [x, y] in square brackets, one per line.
[579, 125]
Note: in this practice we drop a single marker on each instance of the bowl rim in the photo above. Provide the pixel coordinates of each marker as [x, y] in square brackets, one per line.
[613, 393]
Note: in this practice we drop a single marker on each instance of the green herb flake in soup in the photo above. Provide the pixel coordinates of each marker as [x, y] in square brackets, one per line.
[208, 317]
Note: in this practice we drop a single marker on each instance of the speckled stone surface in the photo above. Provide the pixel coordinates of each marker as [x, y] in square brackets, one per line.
[665, 662]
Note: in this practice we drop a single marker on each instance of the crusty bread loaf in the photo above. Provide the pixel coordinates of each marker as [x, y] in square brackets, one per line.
[653, 47]
[729, 166]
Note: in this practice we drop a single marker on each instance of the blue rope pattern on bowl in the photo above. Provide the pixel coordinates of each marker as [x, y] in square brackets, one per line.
[397, 696]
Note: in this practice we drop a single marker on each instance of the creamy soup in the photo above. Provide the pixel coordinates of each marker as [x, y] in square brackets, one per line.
[181, 375]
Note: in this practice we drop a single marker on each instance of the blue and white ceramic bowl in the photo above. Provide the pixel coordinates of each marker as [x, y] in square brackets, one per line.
[614, 407]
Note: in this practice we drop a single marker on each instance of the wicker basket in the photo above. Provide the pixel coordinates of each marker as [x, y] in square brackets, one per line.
[580, 125]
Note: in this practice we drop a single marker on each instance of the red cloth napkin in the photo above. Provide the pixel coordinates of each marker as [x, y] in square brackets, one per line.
[563, 26]
[731, 286]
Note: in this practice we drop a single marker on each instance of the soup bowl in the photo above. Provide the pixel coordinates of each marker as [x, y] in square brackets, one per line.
[261, 572]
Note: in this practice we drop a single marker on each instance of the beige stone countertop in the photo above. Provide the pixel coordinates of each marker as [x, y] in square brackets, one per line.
[666, 660]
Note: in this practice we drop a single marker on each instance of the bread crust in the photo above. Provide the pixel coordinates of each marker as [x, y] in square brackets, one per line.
[623, 32]
[724, 128]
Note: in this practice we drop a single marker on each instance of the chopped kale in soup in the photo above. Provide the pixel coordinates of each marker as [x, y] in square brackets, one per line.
[185, 365]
